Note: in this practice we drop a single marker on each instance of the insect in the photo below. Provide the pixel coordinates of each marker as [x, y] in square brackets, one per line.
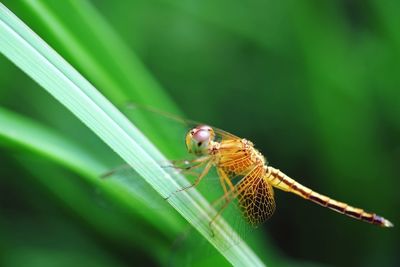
[237, 158]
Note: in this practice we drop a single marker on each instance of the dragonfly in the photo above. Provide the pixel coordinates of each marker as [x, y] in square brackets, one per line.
[236, 159]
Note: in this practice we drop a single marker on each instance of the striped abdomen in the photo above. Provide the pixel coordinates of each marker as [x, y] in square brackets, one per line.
[280, 180]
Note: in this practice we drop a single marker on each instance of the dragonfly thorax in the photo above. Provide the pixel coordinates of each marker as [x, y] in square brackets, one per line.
[236, 156]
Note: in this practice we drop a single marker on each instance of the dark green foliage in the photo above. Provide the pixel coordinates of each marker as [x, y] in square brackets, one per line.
[314, 84]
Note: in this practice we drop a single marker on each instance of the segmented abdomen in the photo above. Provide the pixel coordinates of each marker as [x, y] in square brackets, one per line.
[282, 181]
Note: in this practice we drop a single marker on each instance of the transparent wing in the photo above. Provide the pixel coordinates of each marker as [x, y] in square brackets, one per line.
[130, 180]
[221, 134]
[225, 135]
[244, 205]
[256, 197]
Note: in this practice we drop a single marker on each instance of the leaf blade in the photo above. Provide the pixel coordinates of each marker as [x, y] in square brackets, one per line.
[47, 68]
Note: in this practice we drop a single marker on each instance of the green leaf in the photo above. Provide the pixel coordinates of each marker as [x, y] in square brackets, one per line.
[54, 146]
[47, 68]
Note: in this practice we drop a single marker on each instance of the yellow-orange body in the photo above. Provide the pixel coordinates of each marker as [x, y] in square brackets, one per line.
[236, 158]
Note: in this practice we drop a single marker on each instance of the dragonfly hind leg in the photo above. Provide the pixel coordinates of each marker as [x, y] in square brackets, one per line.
[224, 180]
[227, 200]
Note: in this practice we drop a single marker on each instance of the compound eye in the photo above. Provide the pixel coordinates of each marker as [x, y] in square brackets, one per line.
[201, 136]
[205, 128]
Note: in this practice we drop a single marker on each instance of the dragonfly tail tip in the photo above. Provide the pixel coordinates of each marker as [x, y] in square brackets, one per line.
[388, 224]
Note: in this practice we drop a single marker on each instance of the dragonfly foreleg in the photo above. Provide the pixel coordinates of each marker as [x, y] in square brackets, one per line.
[199, 177]
[186, 165]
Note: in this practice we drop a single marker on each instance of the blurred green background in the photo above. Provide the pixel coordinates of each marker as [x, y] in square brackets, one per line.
[314, 84]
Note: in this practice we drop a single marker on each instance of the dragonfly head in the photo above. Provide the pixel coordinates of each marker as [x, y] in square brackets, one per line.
[198, 139]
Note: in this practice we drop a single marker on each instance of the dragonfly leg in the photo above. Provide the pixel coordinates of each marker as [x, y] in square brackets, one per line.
[199, 177]
[187, 170]
[111, 172]
[224, 180]
[235, 190]
[228, 196]
[228, 199]
[185, 165]
[188, 162]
